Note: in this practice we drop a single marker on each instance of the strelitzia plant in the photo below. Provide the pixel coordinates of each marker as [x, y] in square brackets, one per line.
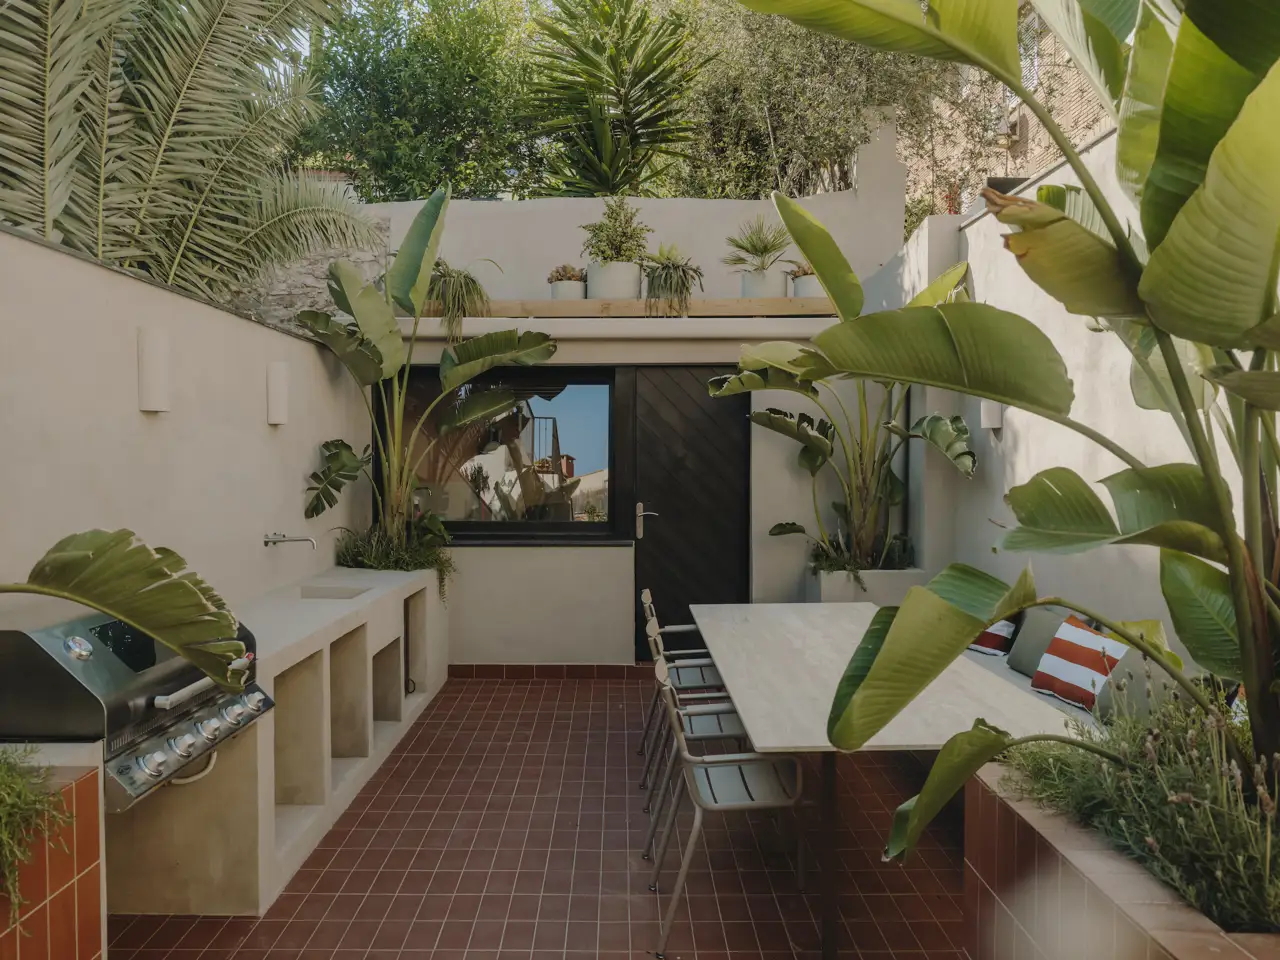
[1193, 296]
[373, 350]
[858, 448]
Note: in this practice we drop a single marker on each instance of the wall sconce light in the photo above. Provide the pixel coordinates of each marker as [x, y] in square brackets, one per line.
[991, 414]
[278, 392]
[153, 369]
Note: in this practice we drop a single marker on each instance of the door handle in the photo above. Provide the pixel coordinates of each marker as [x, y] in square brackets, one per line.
[641, 513]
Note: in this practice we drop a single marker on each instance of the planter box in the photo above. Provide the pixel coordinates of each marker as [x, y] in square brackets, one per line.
[614, 280]
[568, 290]
[885, 588]
[762, 283]
[807, 286]
[1038, 885]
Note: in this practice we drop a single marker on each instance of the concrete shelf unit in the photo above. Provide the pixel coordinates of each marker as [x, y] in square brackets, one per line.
[331, 654]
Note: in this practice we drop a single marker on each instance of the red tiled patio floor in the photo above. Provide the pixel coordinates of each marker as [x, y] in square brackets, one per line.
[506, 825]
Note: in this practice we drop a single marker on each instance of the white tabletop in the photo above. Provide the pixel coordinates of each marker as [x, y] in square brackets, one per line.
[781, 663]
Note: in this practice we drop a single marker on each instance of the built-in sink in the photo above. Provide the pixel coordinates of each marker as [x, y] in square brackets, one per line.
[321, 591]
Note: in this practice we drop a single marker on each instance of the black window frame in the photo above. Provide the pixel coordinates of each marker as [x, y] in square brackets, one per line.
[619, 529]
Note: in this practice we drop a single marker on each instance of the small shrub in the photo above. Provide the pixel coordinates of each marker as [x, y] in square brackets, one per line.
[375, 549]
[1182, 808]
[618, 235]
[28, 811]
[567, 271]
[801, 268]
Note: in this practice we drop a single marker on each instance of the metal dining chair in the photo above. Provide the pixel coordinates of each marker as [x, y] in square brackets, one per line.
[720, 783]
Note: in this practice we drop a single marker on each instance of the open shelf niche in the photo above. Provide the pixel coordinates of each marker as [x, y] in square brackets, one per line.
[349, 713]
[300, 747]
[388, 691]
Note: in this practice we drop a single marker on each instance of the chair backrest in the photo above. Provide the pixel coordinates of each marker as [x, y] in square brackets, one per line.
[672, 705]
[653, 633]
[646, 597]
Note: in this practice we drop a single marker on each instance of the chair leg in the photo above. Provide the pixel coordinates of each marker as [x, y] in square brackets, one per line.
[689, 849]
[668, 828]
[651, 768]
[655, 815]
[648, 720]
[800, 860]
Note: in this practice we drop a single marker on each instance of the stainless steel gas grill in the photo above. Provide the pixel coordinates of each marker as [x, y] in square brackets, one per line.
[96, 678]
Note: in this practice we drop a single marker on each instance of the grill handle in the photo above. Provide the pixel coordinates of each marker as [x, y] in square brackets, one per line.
[179, 697]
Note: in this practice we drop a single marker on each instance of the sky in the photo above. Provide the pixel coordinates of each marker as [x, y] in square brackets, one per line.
[582, 416]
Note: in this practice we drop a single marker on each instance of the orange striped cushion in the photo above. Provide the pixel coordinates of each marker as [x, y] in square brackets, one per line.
[996, 640]
[1077, 664]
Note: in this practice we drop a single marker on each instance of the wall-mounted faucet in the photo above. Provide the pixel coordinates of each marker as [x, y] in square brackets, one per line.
[271, 539]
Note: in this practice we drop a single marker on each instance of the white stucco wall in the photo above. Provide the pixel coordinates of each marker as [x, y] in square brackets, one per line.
[207, 478]
[527, 238]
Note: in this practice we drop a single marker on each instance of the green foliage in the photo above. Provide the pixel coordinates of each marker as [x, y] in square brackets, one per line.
[459, 294]
[1182, 808]
[340, 466]
[567, 271]
[757, 245]
[420, 549]
[151, 135]
[612, 79]
[669, 280]
[417, 93]
[618, 235]
[28, 812]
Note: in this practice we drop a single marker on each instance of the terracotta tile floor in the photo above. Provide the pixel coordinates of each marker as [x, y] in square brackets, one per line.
[504, 828]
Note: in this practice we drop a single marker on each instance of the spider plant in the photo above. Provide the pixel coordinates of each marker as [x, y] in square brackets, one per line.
[757, 246]
[459, 294]
[670, 279]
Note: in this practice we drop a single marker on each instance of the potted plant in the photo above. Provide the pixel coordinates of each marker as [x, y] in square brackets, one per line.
[372, 349]
[669, 279]
[854, 554]
[757, 248]
[31, 814]
[459, 294]
[616, 248]
[804, 282]
[1198, 282]
[568, 282]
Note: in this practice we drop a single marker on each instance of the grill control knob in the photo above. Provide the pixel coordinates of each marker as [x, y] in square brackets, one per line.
[153, 763]
[209, 728]
[234, 714]
[255, 700]
[183, 745]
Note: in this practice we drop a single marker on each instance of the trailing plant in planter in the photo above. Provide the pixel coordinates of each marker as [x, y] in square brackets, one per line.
[29, 811]
[618, 236]
[856, 447]
[1193, 299]
[669, 280]
[459, 294]
[373, 351]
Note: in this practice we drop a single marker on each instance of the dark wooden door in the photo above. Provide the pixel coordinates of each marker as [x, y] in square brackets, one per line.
[692, 468]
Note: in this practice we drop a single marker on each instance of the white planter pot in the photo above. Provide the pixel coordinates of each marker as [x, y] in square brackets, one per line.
[809, 286]
[568, 290]
[764, 283]
[613, 280]
[884, 588]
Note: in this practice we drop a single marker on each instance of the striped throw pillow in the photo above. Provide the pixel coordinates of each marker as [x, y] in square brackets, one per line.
[1077, 664]
[996, 640]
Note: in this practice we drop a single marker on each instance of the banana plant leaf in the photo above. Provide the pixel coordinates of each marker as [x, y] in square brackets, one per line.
[373, 314]
[115, 573]
[972, 348]
[943, 288]
[803, 362]
[1140, 108]
[815, 436]
[341, 465]
[766, 378]
[1096, 45]
[1258, 387]
[788, 528]
[950, 435]
[478, 405]
[355, 351]
[821, 250]
[1213, 279]
[409, 277]
[1247, 31]
[470, 358]
[1195, 359]
[1204, 617]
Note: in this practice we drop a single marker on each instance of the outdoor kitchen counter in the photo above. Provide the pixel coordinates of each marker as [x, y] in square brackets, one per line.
[350, 658]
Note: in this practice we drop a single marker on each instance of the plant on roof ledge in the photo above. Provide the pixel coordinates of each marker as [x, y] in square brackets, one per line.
[670, 278]
[757, 246]
[372, 348]
[618, 236]
[1193, 299]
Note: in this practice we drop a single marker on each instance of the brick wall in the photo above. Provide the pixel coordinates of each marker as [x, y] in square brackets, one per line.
[61, 918]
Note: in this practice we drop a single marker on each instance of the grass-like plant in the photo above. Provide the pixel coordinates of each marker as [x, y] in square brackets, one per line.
[670, 278]
[618, 236]
[425, 547]
[757, 246]
[459, 294]
[29, 811]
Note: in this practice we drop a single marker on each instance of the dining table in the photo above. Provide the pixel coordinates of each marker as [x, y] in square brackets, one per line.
[780, 664]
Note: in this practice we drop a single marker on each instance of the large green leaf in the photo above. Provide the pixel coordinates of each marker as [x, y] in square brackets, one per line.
[815, 436]
[1071, 263]
[1095, 50]
[1248, 31]
[357, 353]
[943, 288]
[950, 435]
[470, 358]
[1148, 496]
[856, 672]
[1258, 387]
[478, 405]
[818, 247]
[1058, 512]
[959, 759]
[409, 277]
[802, 361]
[116, 573]
[341, 465]
[765, 378]
[1195, 359]
[1202, 96]
[1214, 277]
[1140, 108]
[972, 348]
[373, 314]
[980, 32]
[1204, 616]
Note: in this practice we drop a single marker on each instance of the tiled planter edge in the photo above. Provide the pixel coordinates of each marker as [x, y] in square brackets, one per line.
[1040, 887]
